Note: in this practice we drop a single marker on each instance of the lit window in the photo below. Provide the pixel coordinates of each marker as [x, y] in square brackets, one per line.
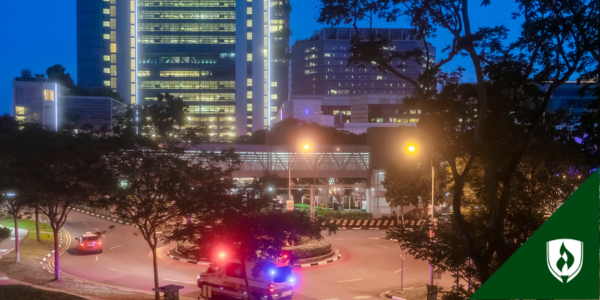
[143, 73]
[249, 82]
[274, 84]
[379, 77]
[106, 36]
[107, 70]
[106, 57]
[249, 107]
[106, 82]
[20, 110]
[106, 11]
[113, 48]
[106, 24]
[249, 57]
[49, 95]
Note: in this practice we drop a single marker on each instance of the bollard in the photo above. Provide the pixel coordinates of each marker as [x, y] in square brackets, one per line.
[171, 291]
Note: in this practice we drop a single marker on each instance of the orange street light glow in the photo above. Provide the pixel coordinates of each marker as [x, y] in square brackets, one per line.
[306, 147]
[411, 148]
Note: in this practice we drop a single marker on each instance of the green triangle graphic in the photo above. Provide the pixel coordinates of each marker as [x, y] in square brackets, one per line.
[527, 275]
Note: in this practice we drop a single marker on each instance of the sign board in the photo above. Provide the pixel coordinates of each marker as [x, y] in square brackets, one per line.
[289, 205]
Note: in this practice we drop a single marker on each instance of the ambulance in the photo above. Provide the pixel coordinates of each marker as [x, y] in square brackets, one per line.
[225, 278]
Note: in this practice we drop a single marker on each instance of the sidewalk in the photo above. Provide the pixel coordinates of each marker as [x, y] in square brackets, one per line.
[8, 244]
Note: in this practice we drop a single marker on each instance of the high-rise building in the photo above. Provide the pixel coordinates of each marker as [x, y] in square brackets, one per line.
[214, 54]
[320, 64]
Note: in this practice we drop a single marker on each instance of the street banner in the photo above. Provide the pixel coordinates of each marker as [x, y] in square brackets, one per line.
[560, 260]
[289, 205]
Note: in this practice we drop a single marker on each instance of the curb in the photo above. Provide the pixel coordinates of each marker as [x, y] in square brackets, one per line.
[189, 261]
[339, 255]
[105, 217]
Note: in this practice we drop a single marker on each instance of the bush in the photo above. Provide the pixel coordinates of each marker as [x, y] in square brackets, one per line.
[5, 232]
[310, 248]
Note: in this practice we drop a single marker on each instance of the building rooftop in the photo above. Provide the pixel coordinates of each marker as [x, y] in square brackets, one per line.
[346, 34]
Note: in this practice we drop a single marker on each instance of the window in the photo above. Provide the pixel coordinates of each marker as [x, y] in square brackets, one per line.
[379, 77]
[49, 95]
[106, 36]
[107, 70]
[106, 57]
[227, 119]
[249, 57]
[20, 110]
[249, 107]
[106, 82]
[113, 48]
[106, 11]
[89, 238]
[179, 73]
[106, 24]
[143, 73]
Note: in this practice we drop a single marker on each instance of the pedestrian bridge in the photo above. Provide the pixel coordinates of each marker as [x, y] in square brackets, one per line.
[320, 162]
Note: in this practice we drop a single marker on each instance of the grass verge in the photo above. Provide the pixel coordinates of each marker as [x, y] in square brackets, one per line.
[23, 292]
[413, 293]
[45, 229]
[30, 271]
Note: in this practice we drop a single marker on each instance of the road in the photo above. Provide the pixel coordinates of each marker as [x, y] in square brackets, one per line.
[369, 265]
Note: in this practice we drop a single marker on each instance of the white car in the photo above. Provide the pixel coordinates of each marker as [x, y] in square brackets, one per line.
[226, 279]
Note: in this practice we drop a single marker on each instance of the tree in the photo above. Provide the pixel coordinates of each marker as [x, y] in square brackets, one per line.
[161, 185]
[506, 108]
[57, 74]
[290, 131]
[63, 170]
[407, 186]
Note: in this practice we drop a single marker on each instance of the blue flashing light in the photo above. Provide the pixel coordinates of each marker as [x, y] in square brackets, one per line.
[306, 111]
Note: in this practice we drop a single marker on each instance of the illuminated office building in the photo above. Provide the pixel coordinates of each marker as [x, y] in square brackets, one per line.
[320, 64]
[214, 54]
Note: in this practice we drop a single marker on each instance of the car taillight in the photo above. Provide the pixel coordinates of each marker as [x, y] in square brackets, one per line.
[271, 289]
[99, 243]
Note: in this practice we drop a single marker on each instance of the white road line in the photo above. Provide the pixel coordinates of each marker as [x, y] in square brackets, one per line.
[116, 247]
[350, 280]
[97, 229]
[335, 239]
[398, 271]
[379, 246]
[111, 269]
[69, 218]
[332, 299]
[96, 257]
[3, 278]
[362, 297]
[178, 280]
[85, 223]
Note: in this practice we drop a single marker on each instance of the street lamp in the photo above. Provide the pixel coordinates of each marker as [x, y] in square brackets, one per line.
[412, 149]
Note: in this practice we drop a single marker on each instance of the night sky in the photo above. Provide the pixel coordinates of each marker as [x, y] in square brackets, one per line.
[41, 33]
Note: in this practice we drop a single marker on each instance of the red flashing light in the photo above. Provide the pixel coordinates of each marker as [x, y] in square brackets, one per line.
[271, 288]
[285, 256]
[222, 254]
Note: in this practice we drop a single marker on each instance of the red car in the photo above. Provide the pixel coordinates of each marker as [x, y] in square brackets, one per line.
[88, 242]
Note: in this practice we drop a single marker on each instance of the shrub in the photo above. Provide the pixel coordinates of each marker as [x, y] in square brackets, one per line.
[5, 232]
[310, 248]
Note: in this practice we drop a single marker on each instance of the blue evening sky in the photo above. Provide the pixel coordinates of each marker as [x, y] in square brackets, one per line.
[41, 33]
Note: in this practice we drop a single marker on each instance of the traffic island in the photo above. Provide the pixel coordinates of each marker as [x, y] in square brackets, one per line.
[310, 253]
[409, 293]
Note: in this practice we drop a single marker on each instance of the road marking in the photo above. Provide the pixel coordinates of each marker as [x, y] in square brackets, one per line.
[335, 239]
[85, 223]
[96, 257]
[3, 250]
[379, 246]
[376, 238]
[69, 218]
[3, 278]
[116, 247]
[350, 280]
[111, 269]
[159, 232]
[332, 299]
[97, 229]
[398, 271]
[178, 280]
[362, 297]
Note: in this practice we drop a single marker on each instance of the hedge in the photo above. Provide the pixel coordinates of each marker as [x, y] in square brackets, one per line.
[332, 214]
[310, 248]
[5, 232]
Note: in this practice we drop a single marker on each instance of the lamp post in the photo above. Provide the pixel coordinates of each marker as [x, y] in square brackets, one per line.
[431, 211]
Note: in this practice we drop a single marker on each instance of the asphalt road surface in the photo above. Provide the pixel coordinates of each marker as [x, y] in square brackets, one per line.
[369, 265]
